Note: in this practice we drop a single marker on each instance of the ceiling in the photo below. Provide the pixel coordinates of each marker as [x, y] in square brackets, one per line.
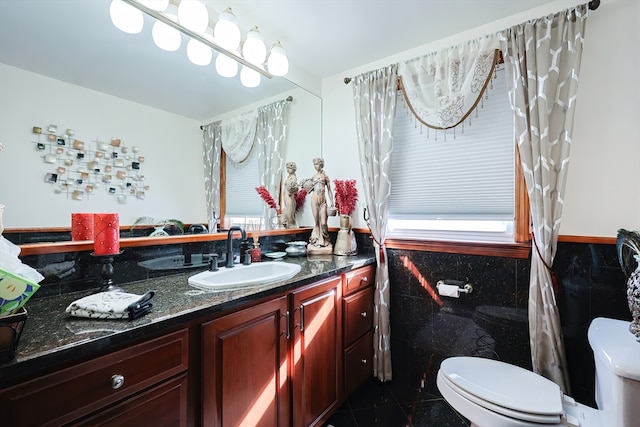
[75, 41]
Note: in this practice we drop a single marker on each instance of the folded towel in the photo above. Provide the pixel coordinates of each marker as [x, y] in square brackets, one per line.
[112, 305]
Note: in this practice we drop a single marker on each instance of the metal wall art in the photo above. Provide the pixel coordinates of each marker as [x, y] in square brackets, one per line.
[80, 169]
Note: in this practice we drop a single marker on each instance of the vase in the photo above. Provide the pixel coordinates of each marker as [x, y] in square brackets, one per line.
[256, 253]
[343, 244]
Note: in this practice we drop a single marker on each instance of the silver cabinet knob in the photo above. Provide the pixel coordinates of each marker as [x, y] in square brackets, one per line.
[364, 361]
[363, 314]
[117, 381]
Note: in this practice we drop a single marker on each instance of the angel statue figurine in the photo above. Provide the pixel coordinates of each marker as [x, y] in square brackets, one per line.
[289, 205]
[628, 245]
[319, 185]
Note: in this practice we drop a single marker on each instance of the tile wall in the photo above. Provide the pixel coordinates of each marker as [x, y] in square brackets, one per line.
[492, 320]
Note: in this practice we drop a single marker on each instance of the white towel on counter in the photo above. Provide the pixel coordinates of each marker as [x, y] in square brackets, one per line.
[112, 305]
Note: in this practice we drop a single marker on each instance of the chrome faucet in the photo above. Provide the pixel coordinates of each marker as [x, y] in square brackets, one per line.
[230, 243]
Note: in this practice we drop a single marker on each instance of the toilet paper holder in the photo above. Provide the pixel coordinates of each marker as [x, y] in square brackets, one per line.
[465, 288]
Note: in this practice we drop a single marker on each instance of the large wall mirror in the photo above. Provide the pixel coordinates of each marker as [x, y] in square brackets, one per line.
[64, 62]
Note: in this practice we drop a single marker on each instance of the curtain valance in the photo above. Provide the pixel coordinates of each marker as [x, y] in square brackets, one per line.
[442, 88]
[238, 134]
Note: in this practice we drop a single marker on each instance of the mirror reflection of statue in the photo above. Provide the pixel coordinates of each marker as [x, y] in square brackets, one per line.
[291, 188]
[320, 187]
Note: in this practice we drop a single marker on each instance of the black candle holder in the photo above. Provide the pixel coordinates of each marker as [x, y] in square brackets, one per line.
[106, 271]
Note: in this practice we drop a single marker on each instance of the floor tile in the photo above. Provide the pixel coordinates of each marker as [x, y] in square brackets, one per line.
[341, 419]
[372, 394]
[383, 416]
[433, 413]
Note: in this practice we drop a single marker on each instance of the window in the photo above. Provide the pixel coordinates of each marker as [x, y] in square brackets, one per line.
[460, 187]
[242, 201]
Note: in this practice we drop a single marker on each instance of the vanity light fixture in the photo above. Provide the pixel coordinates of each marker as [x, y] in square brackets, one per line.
[192, 20]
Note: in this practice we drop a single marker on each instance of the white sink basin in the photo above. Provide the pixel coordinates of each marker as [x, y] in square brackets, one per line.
[260, 273]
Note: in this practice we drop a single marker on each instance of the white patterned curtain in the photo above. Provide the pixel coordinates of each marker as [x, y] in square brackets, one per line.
[374, 96]
[543, 59]
[238, 136]
[271, 136]
[442, 88]
[211, 144]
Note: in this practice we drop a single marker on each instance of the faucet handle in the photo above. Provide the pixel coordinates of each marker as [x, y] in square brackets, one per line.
[247, 258]
[213, 262]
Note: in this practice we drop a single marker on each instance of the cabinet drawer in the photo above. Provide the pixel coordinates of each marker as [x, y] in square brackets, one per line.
[358, 279]
[161, 405]
[358, 315]
[76, 391]
[358, 363]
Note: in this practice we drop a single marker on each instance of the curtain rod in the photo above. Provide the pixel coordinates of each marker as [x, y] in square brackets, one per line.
[287, 99]
[593, 5]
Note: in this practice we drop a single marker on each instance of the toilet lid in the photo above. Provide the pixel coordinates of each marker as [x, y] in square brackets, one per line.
[509, 389]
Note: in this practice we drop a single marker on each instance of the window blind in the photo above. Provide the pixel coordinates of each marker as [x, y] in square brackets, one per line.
[470, 176]
[242, 199]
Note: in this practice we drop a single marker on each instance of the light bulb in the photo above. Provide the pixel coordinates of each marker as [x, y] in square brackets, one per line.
[166, 37]
[253, 48]
[226, 32]
[159, 5]
[249, 77]
[225, 66]
[193, 15]
[126, 17]
[198, 52]
[278, 64]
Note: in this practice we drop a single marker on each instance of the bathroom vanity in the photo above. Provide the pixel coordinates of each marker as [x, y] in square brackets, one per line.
[286, 354]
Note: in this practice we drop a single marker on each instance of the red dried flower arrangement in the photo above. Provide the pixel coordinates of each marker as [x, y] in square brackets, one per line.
[266, 196]
[346, 196]
[300, 197]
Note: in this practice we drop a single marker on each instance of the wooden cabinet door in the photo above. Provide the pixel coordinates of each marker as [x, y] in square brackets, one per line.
[245, 367]
[316, 357]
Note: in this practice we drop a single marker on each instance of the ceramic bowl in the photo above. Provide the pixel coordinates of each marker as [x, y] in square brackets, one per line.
[298, 248]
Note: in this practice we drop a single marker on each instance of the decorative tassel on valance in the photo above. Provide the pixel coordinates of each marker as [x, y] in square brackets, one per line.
[444, 87]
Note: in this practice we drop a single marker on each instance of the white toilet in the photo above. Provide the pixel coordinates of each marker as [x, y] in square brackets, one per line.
[490, 393]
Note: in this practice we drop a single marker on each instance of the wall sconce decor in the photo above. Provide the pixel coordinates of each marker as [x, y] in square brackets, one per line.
[79, 168]
[191, 18]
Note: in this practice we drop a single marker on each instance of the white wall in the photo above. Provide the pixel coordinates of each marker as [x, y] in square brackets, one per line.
[171, 145]
[603, 189]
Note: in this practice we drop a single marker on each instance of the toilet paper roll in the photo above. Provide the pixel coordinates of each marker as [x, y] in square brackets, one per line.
[452, 291]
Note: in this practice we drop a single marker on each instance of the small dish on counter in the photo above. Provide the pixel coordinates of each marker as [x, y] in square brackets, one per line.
[275, 255]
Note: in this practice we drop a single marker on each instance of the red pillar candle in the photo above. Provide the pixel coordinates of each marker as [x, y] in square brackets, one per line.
[81, 226]
[106, 240]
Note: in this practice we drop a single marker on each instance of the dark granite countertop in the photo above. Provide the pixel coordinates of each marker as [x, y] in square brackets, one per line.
[51, 336]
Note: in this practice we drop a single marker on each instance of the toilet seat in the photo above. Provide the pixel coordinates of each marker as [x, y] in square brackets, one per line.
[491, 393]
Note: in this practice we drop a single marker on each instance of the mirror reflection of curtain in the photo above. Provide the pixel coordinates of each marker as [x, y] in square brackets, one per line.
[271, 135]
[444, 87]
[238, 136]
[212, 143]
[543, 58]
[375, 105]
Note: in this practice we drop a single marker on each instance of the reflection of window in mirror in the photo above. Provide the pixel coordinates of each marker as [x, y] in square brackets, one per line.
[238, 196]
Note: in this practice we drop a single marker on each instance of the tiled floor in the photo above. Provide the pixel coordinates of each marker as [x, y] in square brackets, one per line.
[393, 404]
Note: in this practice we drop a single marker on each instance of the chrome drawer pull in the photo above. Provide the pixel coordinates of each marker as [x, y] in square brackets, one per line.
[363, 314]
[365, 279]
[364, 361]
[117, 381]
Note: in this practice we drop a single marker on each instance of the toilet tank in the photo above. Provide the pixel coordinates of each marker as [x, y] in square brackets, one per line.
[617, 359]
